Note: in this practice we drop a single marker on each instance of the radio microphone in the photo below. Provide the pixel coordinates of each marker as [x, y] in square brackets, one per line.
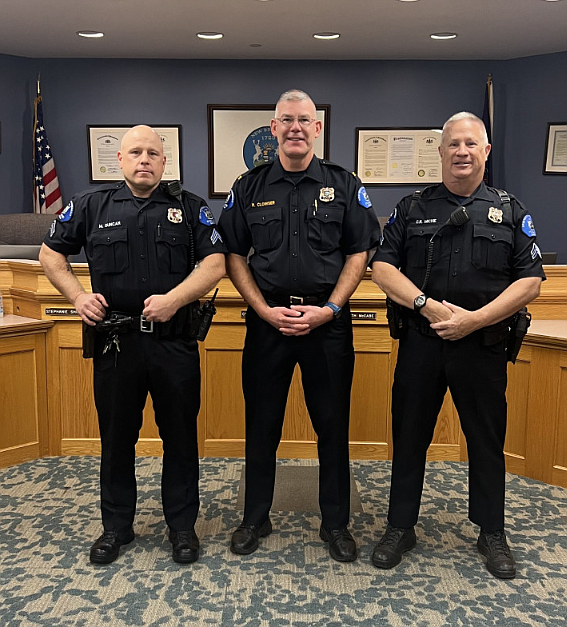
[459, 217]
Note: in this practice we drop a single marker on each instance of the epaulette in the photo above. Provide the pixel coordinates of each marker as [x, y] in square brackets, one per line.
[256, 168]
[502, 194]
[100, 188]
[417, 195]
[332, 164]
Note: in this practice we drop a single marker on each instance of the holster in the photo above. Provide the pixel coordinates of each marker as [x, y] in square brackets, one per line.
[518, 329]
[396, 322]
[203, 317]
[89, 333]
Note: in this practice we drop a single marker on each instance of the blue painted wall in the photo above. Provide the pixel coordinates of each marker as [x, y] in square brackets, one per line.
[528, 92]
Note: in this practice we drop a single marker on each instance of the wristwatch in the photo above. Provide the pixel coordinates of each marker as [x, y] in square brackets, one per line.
[334, 308]
[419, 302]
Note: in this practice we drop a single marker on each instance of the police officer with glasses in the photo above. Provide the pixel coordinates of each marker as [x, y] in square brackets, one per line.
[299, 230]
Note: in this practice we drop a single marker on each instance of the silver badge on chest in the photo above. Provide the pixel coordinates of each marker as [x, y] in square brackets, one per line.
[327, 194]
[175, 215]
[495, 215]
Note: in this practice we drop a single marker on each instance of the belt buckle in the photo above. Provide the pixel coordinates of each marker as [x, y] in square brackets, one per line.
[146, 326]
[296, 300]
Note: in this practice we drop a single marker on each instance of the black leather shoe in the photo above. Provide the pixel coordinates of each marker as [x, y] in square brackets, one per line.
[499, 560]
[388, 552]
[185, 546]
[107, 548]
[342, 546]
[245, 538]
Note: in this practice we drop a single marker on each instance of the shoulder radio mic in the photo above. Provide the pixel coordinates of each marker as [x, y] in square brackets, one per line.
[175, 189]
[459, 217]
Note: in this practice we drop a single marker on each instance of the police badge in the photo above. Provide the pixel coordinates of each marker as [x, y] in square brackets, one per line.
[495, 215]
[327, 194]
[174, 215]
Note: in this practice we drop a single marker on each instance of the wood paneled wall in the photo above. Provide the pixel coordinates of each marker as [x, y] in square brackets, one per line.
[536, 381]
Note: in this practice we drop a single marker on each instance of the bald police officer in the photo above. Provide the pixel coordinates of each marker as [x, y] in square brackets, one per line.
[461, 260]
[310, 224]
[140, 244]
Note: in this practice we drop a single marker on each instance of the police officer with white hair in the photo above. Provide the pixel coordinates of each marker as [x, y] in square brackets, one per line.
[461, 259]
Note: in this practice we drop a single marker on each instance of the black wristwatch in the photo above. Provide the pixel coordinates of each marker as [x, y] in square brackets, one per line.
[419, 302]
[334, 308]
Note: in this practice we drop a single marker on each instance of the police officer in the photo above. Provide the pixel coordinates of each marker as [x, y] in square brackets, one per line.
[137, 240]
[468, 260]
[310, 224]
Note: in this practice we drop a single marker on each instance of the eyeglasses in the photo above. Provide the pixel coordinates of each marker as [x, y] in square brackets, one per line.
[289, 121]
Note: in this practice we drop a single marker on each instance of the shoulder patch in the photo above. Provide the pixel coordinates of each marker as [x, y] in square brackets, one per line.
[229, 201]
[363, 198]
[392, 217]
[528, 226]
[536, 252]
[206, 216]
[67, 213]
[216, 237]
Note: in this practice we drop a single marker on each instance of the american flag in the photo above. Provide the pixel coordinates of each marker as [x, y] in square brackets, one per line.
[46, 193]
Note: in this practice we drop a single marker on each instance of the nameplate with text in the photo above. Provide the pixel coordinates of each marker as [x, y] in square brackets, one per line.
[60, 311]
[363, 315]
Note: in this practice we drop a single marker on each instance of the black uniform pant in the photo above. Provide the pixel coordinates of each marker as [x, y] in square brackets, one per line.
[476, 377]
[326, 359]
[169, 371]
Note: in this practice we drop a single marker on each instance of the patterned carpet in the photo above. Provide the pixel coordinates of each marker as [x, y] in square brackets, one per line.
[49, 518]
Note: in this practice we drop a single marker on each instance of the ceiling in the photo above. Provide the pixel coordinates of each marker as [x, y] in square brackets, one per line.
[283, 29]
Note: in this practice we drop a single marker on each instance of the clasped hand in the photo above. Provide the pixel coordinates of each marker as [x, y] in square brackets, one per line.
[297, 320]
[451, 322]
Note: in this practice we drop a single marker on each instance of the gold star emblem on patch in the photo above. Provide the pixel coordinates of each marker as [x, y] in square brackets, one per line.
[495, 215]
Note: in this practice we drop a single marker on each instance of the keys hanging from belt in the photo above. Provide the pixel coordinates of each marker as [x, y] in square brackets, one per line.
[112, 340]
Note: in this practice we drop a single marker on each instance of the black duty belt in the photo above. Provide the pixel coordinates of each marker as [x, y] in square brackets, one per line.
[284, 300]
[490, 335]
[122, 322]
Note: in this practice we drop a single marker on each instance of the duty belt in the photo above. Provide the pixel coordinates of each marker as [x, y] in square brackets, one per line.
[284, 300]
[120, 322]
[490, 335]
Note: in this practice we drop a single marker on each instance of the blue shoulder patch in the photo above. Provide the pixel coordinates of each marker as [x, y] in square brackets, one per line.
[206, 217]
[229, 201]
[528, 226]
[67, 213]
[363, 198]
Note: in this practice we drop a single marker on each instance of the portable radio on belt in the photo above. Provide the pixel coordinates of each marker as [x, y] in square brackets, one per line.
[203, 315]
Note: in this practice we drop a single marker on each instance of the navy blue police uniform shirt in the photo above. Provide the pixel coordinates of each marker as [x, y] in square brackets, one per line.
[472, 264]
[134, 247]
[300, 227]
